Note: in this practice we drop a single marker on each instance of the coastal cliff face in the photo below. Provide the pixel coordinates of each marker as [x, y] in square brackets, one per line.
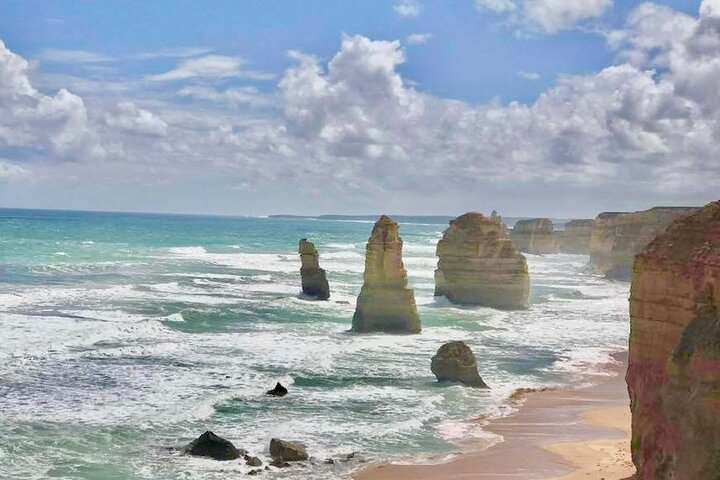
[314, 281]
[479, 265]
[575, 237]
[535, 236]
[674, 367]
[385, 303]
[617, 237]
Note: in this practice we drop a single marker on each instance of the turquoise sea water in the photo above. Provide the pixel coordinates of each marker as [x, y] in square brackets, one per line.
[122, 334]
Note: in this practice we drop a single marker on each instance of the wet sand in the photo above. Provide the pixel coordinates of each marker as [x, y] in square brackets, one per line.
[581, 433]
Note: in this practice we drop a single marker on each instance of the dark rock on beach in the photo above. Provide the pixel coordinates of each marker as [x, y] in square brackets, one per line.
[278, 391]
[210, 445]
[286, 451]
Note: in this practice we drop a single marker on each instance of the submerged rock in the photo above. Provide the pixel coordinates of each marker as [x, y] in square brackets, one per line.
[314, 281]
[673, 374]
[210, 445]
[575, 237]
[385, 303]
[479, 265]
[617, 237]
[253, 461]
[285, 451]
[536, 236]
[277, 391]
[455, 362]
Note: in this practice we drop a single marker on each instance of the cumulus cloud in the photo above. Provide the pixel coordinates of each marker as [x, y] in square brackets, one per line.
[10, 172]
[547, 16]
[407, 8]
[249, 96]
[418, 38]
[210, 67]
[130, 118]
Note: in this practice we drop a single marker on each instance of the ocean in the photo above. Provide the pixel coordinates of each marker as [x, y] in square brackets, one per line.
[124, 334]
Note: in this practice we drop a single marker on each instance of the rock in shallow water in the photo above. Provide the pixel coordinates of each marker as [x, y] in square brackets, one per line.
[286, 451]
[277, 391]
[455, 362]
[314, 281]
[536, 235]
[210, 445]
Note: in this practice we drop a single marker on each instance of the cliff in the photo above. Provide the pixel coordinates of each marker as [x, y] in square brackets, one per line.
[479, 265]
[575, 237]
[385, 303]
[617, 237]
[535, 236]
[314, 281]
[674, 367]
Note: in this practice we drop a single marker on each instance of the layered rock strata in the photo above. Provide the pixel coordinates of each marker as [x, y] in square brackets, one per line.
[455, 362]
[536, 236]
[385, 303]
[674, 366]
[314, 281]
[575, 237]
[617, 237]
[479, 265]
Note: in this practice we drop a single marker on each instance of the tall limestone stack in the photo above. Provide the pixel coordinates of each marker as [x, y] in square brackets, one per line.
[617, 237]
[385, 303]
[314, 281]
[575, 237]
[674, 367]
[479, 265]
[535, 236]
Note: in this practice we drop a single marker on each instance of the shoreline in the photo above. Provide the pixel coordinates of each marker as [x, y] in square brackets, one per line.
[564, 434]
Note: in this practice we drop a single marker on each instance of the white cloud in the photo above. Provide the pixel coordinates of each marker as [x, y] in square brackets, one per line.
[177, 52]
[210, 67]
[418, 38]
[546, 16]
[72, 56]
[407, 8]
[10, 172]
[249, 96]
[528, 75]
[130, 118]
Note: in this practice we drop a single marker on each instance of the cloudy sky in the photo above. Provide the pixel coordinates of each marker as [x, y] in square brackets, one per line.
[531, 107]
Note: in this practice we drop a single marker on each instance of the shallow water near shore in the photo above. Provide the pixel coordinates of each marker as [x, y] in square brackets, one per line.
[123, 334]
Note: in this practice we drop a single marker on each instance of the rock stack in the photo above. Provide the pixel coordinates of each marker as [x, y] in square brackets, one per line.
[479, 265]
[575, 237]
[455, 362]
[314, 282]
[385, 303]
[617, 237]
[674, 366]
[535, 236]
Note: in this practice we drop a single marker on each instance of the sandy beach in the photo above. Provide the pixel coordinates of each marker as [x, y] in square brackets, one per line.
[581, 433]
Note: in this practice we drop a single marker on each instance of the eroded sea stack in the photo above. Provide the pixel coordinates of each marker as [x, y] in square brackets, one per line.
[479, 265]
[314, 281]
[674, 367]
[385, 303]
[534, 236]
[575, 237]
[617, 237]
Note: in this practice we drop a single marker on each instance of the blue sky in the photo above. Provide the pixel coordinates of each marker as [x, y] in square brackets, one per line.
[161, 85]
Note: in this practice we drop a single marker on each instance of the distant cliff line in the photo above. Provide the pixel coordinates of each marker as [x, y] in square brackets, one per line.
[559, 223]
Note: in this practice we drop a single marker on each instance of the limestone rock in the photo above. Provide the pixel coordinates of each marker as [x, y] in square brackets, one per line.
[575, 237]
[385, 303]
[617, 237]
[277, 391]
[285, 451]
[210, 445]
[455, 362]
[314, 281]
[479, 265]
[536, 236]
[673, 374]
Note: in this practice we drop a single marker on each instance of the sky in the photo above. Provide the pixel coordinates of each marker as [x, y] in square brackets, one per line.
[561, 108]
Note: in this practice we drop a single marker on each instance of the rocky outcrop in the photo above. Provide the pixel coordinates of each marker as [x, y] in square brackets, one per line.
[673, 374]
[479, 265]
[314, 281]
[455, 362]
[385, 303]
[286, 451]
[575, 237]
[278, 391]
[210, 445]
[535, 236]
[617, 237]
